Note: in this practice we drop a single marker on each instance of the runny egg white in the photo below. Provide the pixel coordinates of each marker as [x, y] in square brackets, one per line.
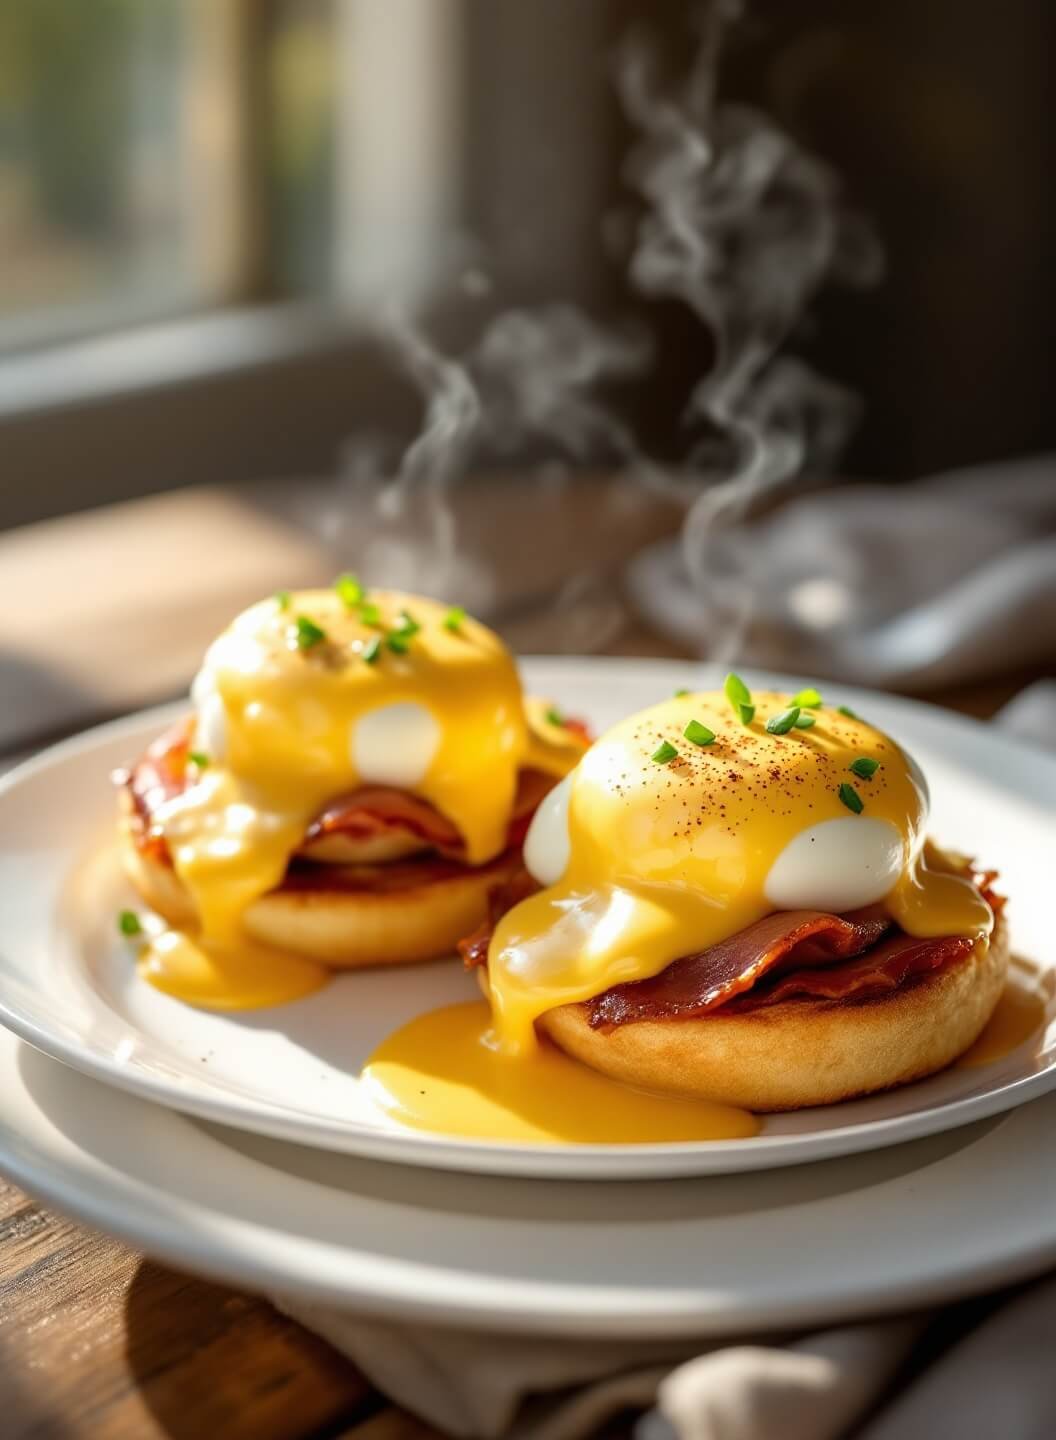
[836, 865]
[395, 744]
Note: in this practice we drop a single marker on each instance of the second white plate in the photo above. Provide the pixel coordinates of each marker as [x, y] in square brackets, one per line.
[67, 984]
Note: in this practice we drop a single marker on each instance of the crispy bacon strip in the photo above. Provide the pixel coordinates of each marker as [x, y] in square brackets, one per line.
[157, 776]
[390, 878]
[474, 948]
[697, 984]
[788, 954]
[374, 809]
[880, 970]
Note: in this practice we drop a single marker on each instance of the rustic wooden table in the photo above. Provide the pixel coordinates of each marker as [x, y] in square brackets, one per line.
[95, 1340]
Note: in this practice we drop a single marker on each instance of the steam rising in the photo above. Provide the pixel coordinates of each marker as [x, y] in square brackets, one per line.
[744, 227]
[741, 225]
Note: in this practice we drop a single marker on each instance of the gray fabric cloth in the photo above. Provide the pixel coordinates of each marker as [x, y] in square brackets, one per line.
[950, 580]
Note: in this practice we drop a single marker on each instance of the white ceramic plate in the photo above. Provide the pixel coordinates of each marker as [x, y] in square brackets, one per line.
[910, 1225]
[67, 983]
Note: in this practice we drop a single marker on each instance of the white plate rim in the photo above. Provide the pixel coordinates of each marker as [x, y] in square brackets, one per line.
[578, 1161]
[224, 1244]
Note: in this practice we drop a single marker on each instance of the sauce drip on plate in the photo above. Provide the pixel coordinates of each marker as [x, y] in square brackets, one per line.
[238, 976]
[1020, 1014]
[443, 1072]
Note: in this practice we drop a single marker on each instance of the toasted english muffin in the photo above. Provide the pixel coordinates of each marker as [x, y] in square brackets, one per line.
[800, 1052]
[347, 917]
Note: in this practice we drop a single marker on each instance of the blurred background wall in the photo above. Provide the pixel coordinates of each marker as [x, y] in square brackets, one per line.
[202, 202]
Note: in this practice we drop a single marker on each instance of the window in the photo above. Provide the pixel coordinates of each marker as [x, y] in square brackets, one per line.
[117, 138]
[200, 198]
[159, 157]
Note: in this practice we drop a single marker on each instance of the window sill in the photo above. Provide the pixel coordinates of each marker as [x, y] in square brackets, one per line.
[237, 395]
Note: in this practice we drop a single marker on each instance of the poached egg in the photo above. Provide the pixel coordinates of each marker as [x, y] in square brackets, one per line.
[306, 697]
[686, 823]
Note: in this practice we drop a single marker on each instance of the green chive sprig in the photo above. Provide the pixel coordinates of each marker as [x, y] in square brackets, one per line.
[804, 720]
[679, 694]
[350, 591]
[846, 710]
[399, 638]
[863, 767]
[740, 697]
[282, 599]
[199, 758]
[554, 717]
[850, 797]
[371, 650]
[454, 618]
[369, 613]
[308, 633]
[128, 923]
[783, 723]
[698, 734]
[808, 699]
[665, 753]
[737, 692]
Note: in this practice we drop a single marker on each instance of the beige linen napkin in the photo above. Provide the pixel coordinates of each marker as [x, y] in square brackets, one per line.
[523, 1388]
[908, 587]
[902, 1379]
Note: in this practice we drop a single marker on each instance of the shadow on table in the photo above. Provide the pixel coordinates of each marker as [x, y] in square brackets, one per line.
[38, 702]
[208, 1361]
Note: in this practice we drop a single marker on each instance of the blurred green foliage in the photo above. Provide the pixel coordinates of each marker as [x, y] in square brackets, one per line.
[67, 72]
[301, 82]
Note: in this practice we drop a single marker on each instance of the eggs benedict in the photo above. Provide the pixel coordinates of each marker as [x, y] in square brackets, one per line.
[356, 776]
[732, 896]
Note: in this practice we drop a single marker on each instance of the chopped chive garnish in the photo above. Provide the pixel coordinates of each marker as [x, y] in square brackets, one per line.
[128, 923]
[369, 613]
[698, 734]
[399, 639]
[805, 720]
[308, 633]
[372, 649]
[679, 694]
[782, 724]
[454, 617]
[863, 767]
[665, 753]
[846, 710]
[747, 713]
[808, 699]
[737, 692]
[199, 758]
[349, 589]
[850, 797]
[554, 717]
[282, 599]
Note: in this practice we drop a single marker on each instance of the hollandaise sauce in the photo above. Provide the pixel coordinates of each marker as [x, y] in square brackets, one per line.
[1025, 1006]
[234, 976]
[690, 821]
[304, 698]
[444, 1071]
